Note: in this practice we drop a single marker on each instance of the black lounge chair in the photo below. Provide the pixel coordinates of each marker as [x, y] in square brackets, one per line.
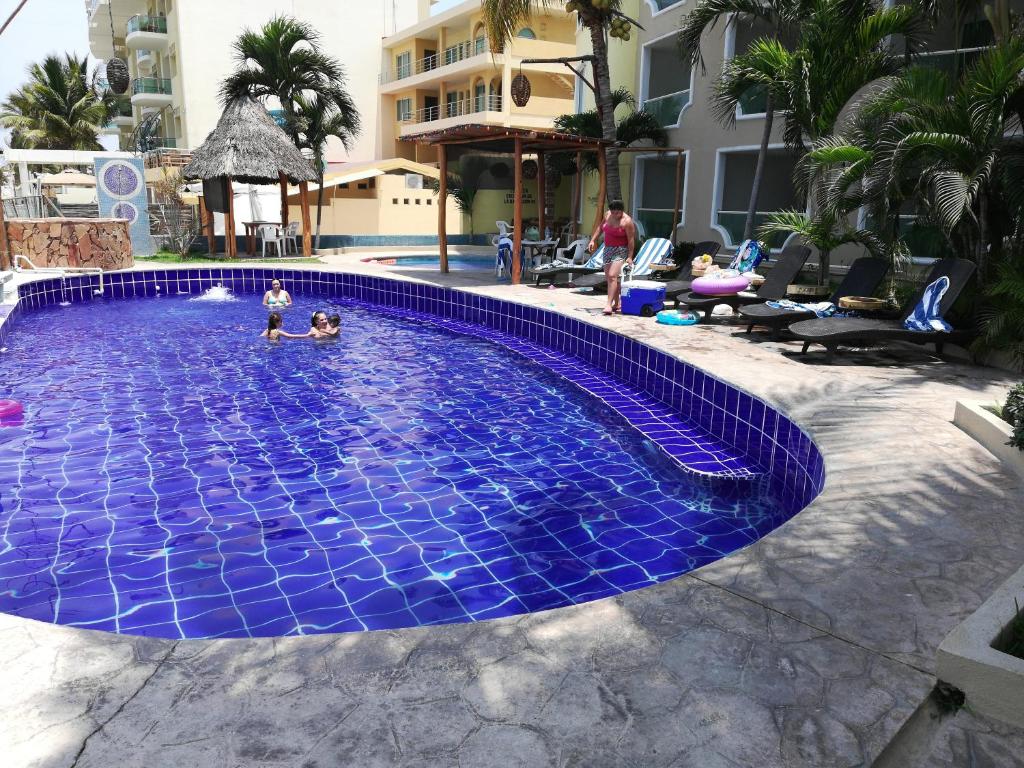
[553, 271]
[787, 267]
[830, 332]
[863, 279]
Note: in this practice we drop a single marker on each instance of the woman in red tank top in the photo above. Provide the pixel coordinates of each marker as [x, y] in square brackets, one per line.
[619, 246]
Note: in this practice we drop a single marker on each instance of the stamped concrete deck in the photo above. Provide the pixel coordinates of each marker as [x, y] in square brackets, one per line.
[810, 648]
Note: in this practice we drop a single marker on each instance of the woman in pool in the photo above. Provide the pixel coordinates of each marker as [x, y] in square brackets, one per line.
[320, 327]
[619, 246]
[276, 297]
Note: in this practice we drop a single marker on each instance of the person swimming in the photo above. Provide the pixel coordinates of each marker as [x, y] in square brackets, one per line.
[320, 327]
[274, 323]
[334, 323]
[277, 296]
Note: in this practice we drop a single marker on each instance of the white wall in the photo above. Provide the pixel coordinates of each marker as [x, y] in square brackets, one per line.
[351, 31]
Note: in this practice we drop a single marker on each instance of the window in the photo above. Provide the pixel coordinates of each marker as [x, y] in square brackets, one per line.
[739, 35]
[527, 33]
[480, 97]
[734, 177]
[662, 5]
[656, 191]
[403, 110]
[666, 90]
[361, 185]
[403, 65]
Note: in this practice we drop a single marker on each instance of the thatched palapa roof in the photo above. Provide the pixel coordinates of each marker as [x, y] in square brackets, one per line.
[250, 147]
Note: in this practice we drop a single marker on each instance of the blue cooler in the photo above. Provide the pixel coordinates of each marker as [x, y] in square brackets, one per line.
[642, 297]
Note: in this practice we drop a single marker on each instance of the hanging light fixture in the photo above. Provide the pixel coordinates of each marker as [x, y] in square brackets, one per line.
[520, 89]
[117, 68]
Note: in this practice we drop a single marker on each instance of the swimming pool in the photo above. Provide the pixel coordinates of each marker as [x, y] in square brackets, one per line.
[177, 476]
[455, 262]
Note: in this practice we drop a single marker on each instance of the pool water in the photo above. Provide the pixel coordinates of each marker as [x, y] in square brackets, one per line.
[176, 475]
[457, 263]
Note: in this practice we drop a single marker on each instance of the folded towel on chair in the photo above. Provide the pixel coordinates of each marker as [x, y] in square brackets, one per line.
[926, 315]
[820, 308]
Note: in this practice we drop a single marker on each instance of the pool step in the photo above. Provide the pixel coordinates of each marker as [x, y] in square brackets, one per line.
[691, 448]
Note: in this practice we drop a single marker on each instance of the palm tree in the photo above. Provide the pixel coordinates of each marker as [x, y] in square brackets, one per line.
[961, 145]
[635, 125]
[503, 18]
[58, 108]
[839, 46]
[283, 62]
[834, 173]
[782, 16]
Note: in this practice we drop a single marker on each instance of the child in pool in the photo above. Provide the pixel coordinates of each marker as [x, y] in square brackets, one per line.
[274, 330]
[334, 321]
[274, 323]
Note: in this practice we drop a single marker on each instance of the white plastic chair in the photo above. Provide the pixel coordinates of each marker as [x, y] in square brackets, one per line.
[574, 253]
[504, 228]
[272, 235]
[291, 238]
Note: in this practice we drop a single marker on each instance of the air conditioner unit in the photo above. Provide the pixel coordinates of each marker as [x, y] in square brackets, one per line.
[413, 181]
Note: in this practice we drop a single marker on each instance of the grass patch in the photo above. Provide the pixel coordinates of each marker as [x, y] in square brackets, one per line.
[167, 257]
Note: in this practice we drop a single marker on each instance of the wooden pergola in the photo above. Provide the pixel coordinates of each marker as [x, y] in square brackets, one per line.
[248, 146]
[517, 142]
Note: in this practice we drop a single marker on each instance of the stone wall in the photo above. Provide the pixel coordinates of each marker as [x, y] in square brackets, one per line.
[102, 243]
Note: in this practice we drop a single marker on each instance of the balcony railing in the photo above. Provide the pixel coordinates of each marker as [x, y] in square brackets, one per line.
[734, 221]
[151, 85]
[451, 55]
[475, 105]
[145, 23]
[123, 107]
[667, 108]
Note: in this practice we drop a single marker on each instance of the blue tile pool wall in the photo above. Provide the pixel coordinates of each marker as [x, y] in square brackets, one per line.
[769, 439]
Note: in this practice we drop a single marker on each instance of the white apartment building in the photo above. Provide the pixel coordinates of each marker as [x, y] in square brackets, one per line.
[179, 52]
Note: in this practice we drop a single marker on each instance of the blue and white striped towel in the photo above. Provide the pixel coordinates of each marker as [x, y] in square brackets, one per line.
[821, 308]
[926, 315]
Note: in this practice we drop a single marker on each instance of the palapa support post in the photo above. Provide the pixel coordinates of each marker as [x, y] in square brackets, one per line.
[541, 197]
[602, 190]
[442, 207]
[577, 197]
[517, 219]
[284, 199]
[678, 201]
[230, 243]
[307, 235]
[205, 224]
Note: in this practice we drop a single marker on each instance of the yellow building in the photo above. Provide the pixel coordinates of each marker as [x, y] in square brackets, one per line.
[441, 72]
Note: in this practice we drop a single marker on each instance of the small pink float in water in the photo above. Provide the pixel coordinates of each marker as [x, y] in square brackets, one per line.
[721, 283]
[10, 410]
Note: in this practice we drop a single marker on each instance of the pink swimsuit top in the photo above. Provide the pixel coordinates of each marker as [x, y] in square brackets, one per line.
[614, 237]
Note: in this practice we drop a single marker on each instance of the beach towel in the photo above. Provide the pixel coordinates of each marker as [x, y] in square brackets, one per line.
[926, 315]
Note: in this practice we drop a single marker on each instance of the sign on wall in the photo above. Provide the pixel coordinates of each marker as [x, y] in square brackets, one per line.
[121, 191]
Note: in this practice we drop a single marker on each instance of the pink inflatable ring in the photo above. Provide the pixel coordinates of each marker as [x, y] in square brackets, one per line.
[723, 285]
[10, 409]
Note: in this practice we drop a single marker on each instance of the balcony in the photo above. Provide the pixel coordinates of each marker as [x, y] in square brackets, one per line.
[148, 32]
[451, 55]
[151, 92]
[667, 108]
[145, 59]
[461, 108]
[123, 117]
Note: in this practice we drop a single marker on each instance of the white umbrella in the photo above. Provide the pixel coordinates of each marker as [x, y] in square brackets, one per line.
[255, 209]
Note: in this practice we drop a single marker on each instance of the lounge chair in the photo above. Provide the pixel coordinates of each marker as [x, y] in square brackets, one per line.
[594, 263]
[787, 267]
[831, 332]
[657, 250]
[863, 279]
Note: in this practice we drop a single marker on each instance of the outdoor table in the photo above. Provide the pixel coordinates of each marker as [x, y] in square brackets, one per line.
[250, 233]
[536, 249]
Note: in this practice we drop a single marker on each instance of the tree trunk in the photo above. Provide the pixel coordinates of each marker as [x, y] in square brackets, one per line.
[319, 209]
[824, 264]
[762, 155]
[603, 83]
[983, 237]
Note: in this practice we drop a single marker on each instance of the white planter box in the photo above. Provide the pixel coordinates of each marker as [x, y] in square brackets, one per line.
[992, 432]
[992, 680]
